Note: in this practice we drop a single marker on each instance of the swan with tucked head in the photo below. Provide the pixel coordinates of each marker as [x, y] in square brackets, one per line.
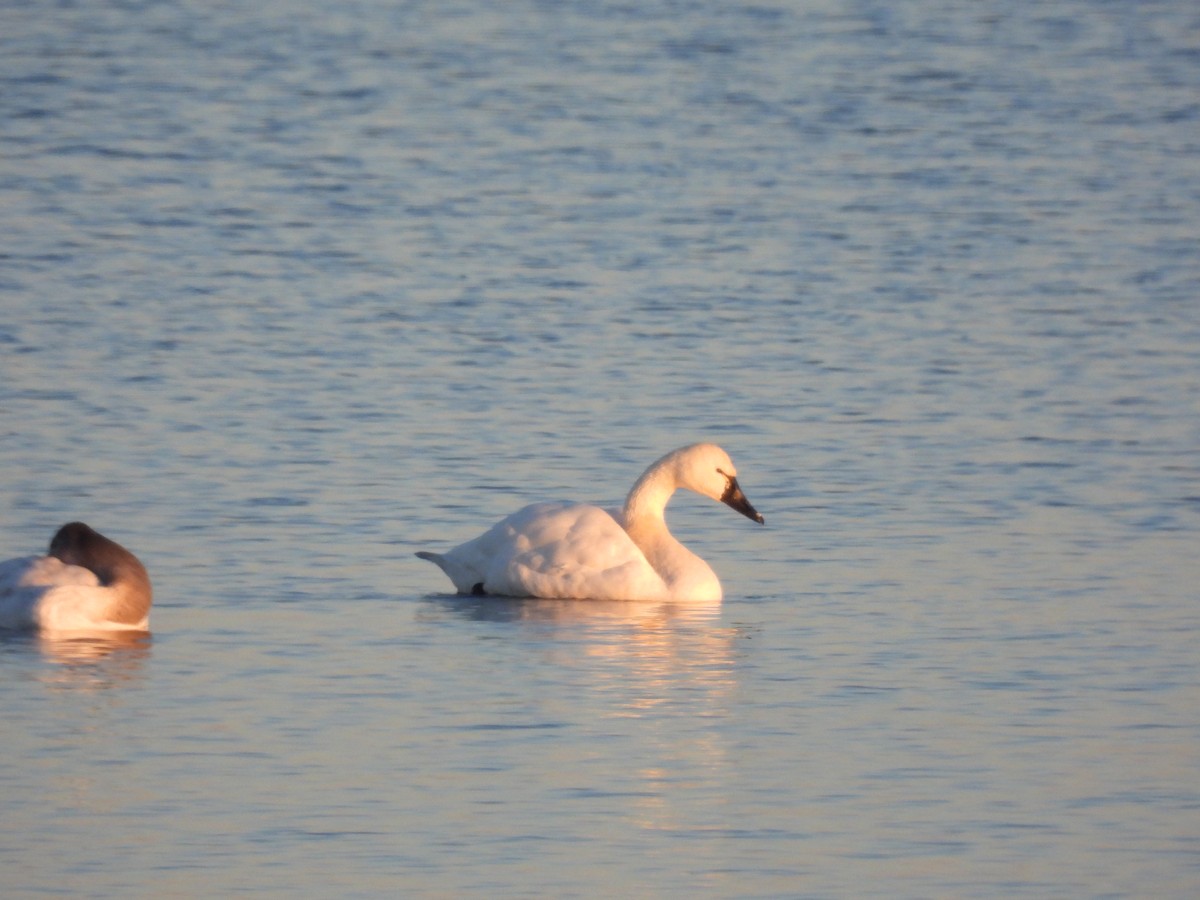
[578, 551]
[86, 582]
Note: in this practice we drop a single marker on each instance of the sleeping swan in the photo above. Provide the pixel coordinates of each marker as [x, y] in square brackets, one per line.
[85, 583]
[577, 551]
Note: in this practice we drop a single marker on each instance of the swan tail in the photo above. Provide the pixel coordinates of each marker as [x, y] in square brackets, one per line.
[465, 581]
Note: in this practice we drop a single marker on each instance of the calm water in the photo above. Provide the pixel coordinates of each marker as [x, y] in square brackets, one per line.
[289, 292]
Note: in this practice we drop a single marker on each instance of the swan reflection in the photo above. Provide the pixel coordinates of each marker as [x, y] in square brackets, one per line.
[89, 660]
[639, 654]
[663, 678]
[532, 609]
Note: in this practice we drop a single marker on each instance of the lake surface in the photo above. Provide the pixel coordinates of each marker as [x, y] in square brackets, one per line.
[291, 291]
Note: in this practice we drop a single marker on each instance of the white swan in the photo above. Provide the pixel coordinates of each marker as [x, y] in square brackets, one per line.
[577, 551]
[85, 583]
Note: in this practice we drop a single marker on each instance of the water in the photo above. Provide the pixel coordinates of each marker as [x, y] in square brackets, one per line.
[290, 292]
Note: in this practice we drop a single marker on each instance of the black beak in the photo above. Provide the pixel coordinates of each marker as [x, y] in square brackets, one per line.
[735, 499]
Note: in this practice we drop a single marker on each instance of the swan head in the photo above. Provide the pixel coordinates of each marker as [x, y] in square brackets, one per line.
[735, 499]
[70, 543]
[79, 545]
[708, 470]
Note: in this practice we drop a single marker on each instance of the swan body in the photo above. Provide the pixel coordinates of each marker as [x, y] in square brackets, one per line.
[86, 582]
[579, 551]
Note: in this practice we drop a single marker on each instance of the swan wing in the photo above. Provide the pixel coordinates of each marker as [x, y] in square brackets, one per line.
[43, 571]
[19, 592]
[553, 550]
[569, 550]
[45, 592]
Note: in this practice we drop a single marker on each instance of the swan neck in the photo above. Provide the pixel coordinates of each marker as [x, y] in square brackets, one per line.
[133, 588]
[684, 574]
[648, 499]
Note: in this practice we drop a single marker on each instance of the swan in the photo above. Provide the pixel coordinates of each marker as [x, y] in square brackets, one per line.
[576, 551]
[85, 582]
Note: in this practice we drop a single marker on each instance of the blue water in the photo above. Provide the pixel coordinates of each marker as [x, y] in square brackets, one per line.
[290, 291]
